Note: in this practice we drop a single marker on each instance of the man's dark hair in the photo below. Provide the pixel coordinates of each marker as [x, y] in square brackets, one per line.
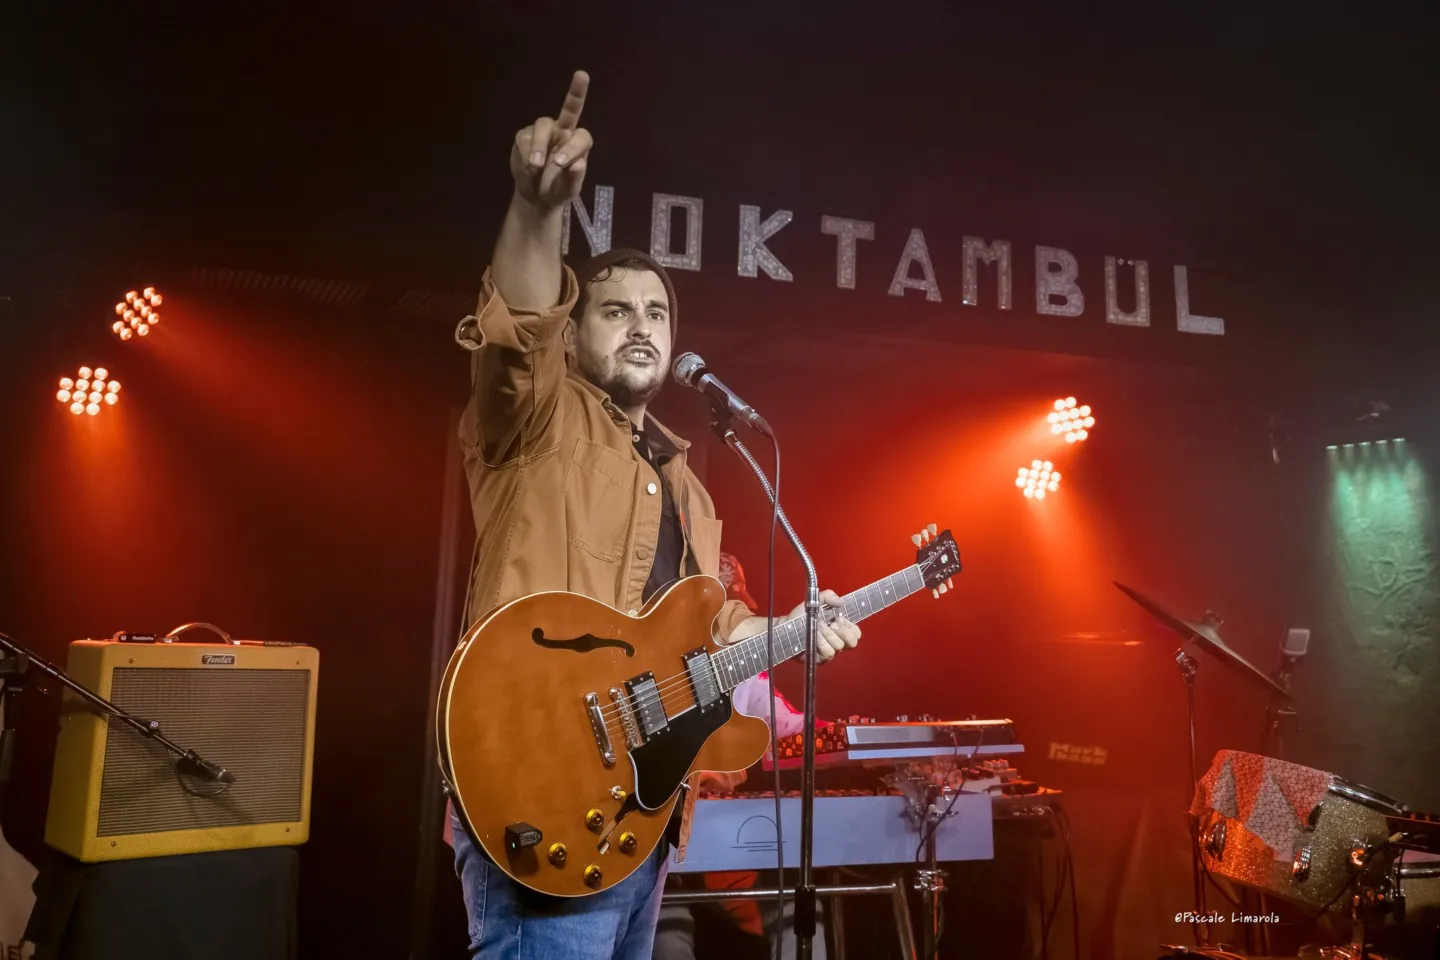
[603, 267]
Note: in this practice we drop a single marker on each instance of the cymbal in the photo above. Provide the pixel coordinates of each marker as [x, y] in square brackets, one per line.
[1207, 639]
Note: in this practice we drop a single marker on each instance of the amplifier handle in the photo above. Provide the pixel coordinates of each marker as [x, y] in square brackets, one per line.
[170, 637]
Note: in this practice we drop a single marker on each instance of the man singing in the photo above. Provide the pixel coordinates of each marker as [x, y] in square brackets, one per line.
[574, 488]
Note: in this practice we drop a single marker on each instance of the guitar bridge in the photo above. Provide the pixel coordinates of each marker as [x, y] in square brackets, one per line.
[627, 717]
[597, 727]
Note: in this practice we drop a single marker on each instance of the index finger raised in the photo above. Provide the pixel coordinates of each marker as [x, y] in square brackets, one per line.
[569, 116]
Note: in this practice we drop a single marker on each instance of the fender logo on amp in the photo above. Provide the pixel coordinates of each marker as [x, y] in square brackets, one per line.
[218, 659]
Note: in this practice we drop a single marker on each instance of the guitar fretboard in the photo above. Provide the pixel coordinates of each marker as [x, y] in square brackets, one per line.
[747, 658]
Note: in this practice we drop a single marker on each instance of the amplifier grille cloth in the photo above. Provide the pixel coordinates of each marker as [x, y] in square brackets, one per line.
[251, 722]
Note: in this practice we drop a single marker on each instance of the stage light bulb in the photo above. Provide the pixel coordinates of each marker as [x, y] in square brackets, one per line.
[1030, 492]
[77, 408]
[1034, 464]
[120, 309]
[1069, 401]
[63, 396]
[126, 334]
[82, 384]
[1082, 434]
[93, 409]
[85, 373]
[1069, 438]
[1054, 486]
[149, 292]
[66, 383]
[131, 296]
[144, 309]
[1085, 410]
[1019, 481]
[1088, 422]
[1053, 418]
[143, 329]
[119, 327]
[1059, 404]
[1049, 465]
[1057, 428]
[156, 299]
[101, 373]
[111, 399]
[114, 387]
[154, 318]
[1040, 493]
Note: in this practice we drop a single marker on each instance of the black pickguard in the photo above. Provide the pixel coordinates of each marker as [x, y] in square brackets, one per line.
[585, 643]
[662, 762]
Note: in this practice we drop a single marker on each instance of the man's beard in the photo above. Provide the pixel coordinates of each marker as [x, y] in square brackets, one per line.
[621, 381]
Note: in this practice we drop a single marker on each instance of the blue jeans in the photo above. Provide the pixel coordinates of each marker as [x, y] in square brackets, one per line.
[511, 922]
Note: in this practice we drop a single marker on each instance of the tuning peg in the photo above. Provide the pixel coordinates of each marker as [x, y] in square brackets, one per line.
[935, 594]
[950, 583]
[933, 529]
[916, 538]
[926, 535]
[943, 588]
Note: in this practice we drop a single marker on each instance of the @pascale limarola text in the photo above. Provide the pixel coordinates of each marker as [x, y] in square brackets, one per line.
[1188, 917]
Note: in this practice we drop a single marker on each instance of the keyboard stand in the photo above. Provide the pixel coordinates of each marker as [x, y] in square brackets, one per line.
[833, 894]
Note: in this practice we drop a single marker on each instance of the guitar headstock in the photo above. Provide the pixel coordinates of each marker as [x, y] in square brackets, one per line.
[938, 558]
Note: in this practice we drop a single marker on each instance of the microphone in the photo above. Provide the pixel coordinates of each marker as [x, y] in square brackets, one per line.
[692, 372]
[197, 766]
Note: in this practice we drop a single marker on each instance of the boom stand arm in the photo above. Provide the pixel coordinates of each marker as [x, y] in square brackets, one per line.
[188, 761]
[805, 889]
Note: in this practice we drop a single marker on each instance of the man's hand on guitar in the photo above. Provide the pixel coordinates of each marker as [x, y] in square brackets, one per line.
[549, 156]
[835, 636]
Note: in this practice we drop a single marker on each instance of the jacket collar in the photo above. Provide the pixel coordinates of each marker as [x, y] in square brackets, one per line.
[669, 444]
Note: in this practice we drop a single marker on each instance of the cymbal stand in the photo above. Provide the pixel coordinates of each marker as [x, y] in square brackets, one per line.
[1188, 668]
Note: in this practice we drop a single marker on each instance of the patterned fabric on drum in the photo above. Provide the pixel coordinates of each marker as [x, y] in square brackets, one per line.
[1272, 798]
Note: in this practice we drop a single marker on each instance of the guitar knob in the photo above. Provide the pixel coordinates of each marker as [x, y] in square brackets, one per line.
[618, 793]
[627, 842]
[557, 854]
[595, 820]
[593, 876]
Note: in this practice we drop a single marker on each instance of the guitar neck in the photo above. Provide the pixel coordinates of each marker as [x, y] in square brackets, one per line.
[747, 658]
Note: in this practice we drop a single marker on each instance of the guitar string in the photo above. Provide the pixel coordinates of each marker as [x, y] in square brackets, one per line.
[729, 659]
[679, 683]
[673, 690]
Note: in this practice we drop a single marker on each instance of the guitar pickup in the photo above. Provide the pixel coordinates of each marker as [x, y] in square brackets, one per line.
[646, 703]
[702, 678]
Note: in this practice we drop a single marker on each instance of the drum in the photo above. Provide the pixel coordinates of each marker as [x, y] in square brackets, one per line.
[1289, 831]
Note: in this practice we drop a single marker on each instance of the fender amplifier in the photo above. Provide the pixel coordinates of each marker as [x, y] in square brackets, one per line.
[247, 707]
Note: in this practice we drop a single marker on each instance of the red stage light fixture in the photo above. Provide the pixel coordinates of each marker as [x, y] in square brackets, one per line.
[1075, 422]
[88, 391]
[1038, 479]
[137, 313]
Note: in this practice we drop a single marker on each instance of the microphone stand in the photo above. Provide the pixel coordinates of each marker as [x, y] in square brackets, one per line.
[805, 888]
[15, 662]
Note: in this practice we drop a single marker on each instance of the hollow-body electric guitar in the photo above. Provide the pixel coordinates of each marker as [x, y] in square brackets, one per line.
[566, 728]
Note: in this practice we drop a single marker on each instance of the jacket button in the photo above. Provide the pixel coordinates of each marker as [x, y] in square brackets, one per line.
[650, 489]
[642, 552]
